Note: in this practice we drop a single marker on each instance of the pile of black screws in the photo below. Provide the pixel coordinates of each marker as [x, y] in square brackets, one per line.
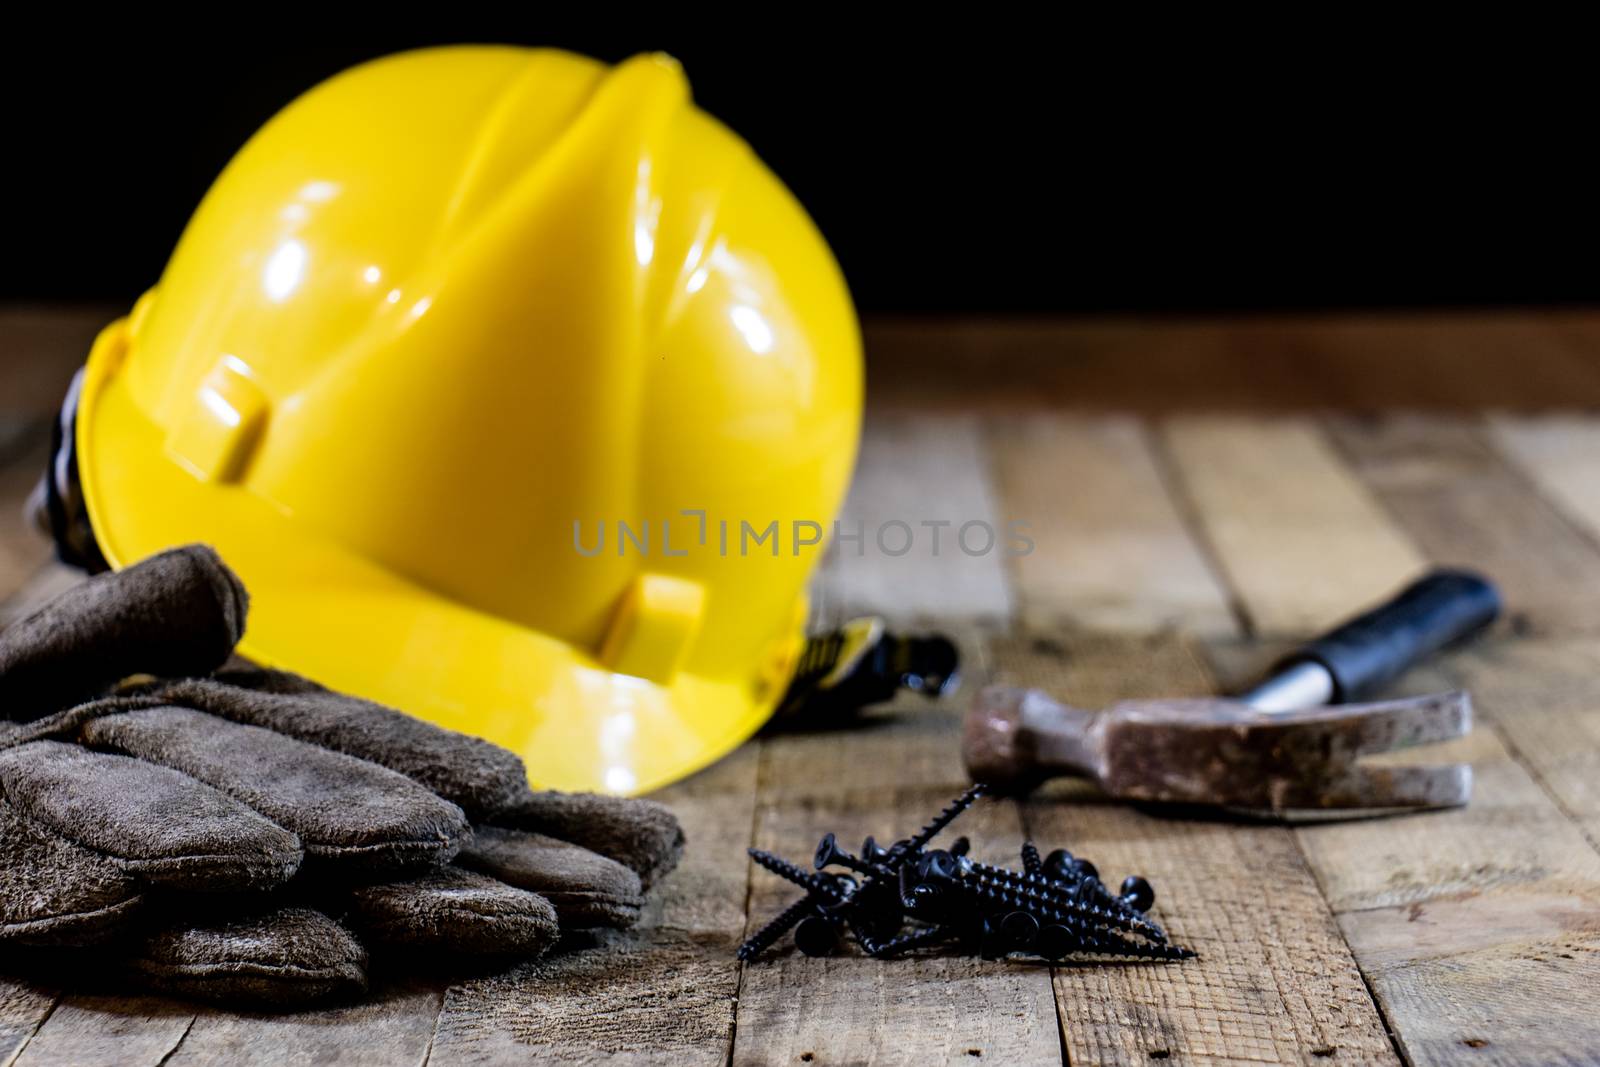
[907, 896]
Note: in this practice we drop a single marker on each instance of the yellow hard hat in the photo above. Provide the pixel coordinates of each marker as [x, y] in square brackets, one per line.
[519, 393]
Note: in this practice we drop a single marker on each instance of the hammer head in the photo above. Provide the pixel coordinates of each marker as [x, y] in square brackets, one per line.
[1221, 752]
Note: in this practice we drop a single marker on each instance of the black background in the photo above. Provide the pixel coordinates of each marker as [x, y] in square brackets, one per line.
[1029, 168]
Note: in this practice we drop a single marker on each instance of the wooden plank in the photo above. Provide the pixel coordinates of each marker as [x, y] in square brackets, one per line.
[664, 992]
[1111, 551]
[1274, 982]
[1457, 499]
[1435, 904]
[1561, 454]
[915, 470]
[392, 1025]
[885, 779]
[1477, 927]
[908, 744]
[24, 449]
[86, 1030]
[1545, 699]
[24, 1007]
[1428, 360]
[853, 1009]
[1301, 541]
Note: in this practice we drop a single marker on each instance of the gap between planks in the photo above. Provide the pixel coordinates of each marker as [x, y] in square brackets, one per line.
[886, 779]
[1479, 928]
[1275, 981]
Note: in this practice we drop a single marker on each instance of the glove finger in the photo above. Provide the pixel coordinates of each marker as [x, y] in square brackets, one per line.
[166, 826]
[640, 834]
[177, 613]
[453, 910]
[479, 777]
[53, 892]
[344, 810]
[285, 958]
[586, 888]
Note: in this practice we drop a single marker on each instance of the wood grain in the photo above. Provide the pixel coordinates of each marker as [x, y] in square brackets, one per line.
[1274, 982]
[1544, 697]
[1478, 930]
[886, 778]
[664, 992]
[1301, 541]
[1458, 500]
[1434, 904]
[1110, 551]
[393, 1025]
[1440, 907]
[854, 1009]
[1561, 455]
[1481, 928]
[915, 470]
[89, 1030]
[24, 1006]
[908, 744]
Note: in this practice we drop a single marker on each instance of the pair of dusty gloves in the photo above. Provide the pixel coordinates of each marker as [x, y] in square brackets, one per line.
[220, 831]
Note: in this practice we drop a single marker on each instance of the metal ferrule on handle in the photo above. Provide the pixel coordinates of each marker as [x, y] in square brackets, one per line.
[1374, 648]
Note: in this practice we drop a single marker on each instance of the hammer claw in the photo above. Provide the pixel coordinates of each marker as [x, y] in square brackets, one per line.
[1377, 788]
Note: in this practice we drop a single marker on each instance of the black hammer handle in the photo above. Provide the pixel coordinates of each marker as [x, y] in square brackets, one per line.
[1376, 647]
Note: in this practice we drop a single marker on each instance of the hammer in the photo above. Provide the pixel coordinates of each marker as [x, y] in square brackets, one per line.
[1288, 744]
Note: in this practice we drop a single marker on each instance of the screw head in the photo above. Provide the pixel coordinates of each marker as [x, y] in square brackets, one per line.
[816, 936]
[1055, 941]
[937, 864]
[1020, 929]
[827, 852]
[1058, 865]
[1137, 894]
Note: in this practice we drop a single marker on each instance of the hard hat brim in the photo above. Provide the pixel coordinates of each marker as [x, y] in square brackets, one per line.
[341, 620]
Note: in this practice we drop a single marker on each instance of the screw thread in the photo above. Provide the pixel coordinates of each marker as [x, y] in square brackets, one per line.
[1055, 890]
[952, 811]
[1106, 943]
[775, 928]
[807, 880]
[895, 946]
[1054, 906]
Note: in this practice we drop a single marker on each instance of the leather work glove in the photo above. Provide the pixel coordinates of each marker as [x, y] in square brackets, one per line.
[246, 835]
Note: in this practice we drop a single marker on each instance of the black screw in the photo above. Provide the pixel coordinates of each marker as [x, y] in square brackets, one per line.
[1136, 892]
[817, 936]
[829, 853]
[907, 897]
[821, 891]
[1020, 928]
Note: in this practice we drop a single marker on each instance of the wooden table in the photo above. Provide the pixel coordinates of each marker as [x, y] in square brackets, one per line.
[1199, 492]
